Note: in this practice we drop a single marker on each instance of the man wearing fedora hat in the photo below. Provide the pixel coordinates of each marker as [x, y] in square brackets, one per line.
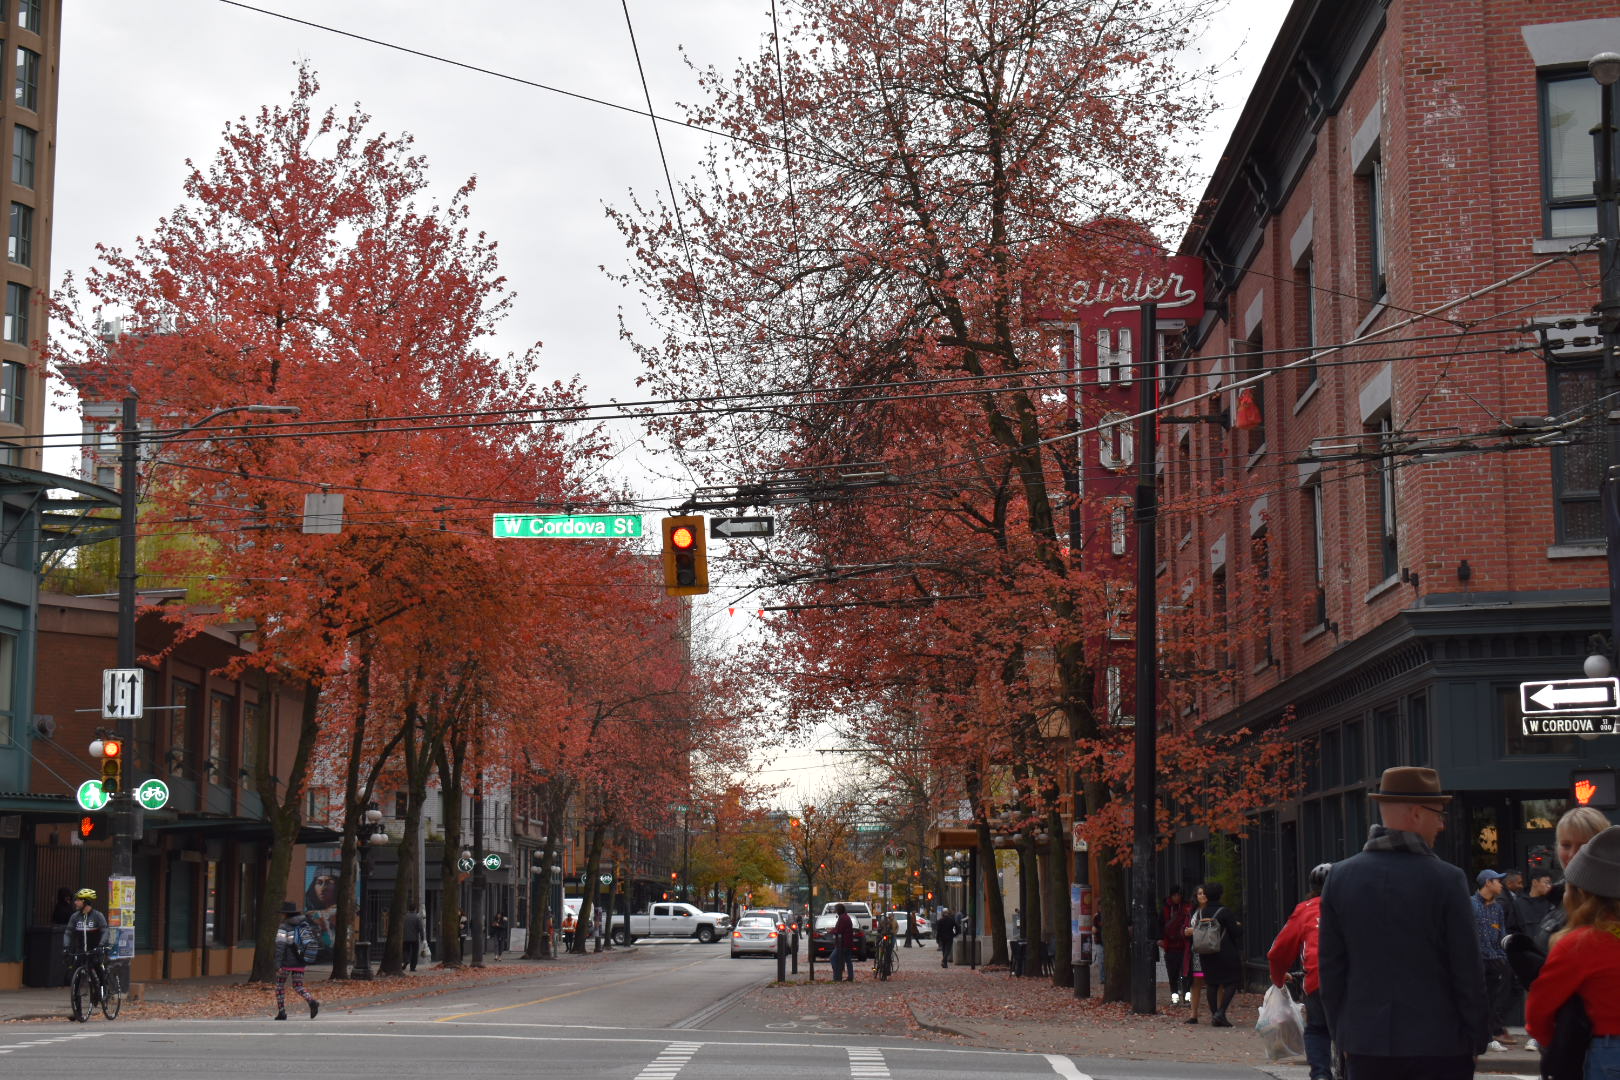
[1402, 981]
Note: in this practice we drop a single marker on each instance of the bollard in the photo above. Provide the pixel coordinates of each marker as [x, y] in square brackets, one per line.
[781, 956]
[795, 956]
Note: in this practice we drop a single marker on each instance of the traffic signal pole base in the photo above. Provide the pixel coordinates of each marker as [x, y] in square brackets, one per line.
[1082, 979]
[362, 962]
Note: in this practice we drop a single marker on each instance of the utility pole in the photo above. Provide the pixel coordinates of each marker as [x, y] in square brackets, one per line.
[475, 923]
[1145, 821]
[119, 804]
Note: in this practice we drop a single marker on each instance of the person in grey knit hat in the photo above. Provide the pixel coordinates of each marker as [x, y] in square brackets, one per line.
[1595, 869]
[1585, 959]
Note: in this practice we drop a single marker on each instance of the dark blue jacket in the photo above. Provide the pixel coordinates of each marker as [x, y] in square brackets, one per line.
[1400, 966]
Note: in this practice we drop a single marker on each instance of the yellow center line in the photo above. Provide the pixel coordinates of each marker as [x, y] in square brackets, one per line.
[568, 994]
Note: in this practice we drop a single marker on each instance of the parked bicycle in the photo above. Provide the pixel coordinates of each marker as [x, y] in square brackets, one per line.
[887, 961]
[93, 984]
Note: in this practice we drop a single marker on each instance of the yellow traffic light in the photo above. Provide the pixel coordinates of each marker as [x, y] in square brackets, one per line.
[686, 561]
[112, 766]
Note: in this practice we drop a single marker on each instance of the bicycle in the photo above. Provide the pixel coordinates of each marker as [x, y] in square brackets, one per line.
[93, 985]
[887, 962]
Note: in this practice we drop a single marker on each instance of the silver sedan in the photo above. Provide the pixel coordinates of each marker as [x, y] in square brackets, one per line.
[754, 934]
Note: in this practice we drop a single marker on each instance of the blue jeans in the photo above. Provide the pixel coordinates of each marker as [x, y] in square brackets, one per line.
[1603, 1060]
[1318, 1043]
[843, 960]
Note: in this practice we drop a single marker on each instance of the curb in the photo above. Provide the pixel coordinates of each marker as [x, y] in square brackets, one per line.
[940, 1029]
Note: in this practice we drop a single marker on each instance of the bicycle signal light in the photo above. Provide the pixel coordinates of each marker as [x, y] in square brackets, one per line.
[686, 562]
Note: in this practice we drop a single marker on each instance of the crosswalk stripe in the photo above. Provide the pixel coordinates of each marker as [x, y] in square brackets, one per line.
[866, 1063]
[668, 1064]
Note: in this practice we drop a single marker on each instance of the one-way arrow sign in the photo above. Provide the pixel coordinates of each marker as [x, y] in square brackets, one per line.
[1570, 696]
[726, 528]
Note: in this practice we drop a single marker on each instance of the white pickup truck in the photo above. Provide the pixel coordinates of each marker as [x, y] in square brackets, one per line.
[673, 920]
[861, 914]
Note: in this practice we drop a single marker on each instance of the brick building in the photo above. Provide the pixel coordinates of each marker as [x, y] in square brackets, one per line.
[1395, 547]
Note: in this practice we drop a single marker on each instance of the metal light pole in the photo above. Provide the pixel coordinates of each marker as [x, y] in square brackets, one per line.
[1145, 820]
[372, 834]
[120, 805]
[1605, 69]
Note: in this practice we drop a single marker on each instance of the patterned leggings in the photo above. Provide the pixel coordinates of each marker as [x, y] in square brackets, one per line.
[298, 985]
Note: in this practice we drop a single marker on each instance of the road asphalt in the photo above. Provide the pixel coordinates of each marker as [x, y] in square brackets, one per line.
[915, 1005]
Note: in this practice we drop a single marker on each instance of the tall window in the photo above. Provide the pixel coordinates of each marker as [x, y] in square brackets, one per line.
[1305, 320]
[252, 721]
[1371, 184]
[221, 714]
[1386, 554]
[1578, 467]
[23, 141]
[13, 384]
[16, 327]
[1316, 550]
[20, 240]
[1569, 111]
[180, 720]
[1254, 440]
[29, 14]
[26, 91]
[8, 677]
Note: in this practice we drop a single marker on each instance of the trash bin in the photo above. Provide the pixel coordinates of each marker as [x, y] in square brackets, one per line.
[43, 962]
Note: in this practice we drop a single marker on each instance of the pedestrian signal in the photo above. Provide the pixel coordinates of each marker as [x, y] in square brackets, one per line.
[686, 562]
[91, 827]
[1594, 788]
[112, 766]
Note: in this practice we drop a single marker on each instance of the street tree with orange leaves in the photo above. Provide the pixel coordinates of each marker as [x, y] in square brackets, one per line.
[904, 184]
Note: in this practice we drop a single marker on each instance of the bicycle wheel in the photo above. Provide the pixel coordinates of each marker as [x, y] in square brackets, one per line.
[112, 998]
[80, 995]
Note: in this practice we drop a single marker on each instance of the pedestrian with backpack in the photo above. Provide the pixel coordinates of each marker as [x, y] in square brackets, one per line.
[1214, 934]
[296, 946]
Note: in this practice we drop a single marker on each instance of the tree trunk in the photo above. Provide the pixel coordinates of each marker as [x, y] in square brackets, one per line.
[286, 818]
[994, 907]
[1057, 899]
[593, 860]
[342, 925]
[1029, 898]
[451, 762]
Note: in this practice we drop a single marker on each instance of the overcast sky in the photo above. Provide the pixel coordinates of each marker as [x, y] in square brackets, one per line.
[145, 86]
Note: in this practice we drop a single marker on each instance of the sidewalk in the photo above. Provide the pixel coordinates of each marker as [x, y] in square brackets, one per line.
[231, 995]
[991, 1009]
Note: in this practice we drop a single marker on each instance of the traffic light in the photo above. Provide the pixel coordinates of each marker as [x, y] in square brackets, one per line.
[686, 563]
[1595, 788]
[92, 827]
[112, 766]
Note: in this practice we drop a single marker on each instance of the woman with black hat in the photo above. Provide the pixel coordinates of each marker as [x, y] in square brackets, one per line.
[1585, 958]
[295, 939]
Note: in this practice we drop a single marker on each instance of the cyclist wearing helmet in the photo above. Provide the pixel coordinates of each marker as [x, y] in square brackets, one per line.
[1296, 942]
[86, 925]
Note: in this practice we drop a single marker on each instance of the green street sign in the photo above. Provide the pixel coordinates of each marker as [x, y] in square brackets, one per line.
[492, 861]
[152, 794]
[568, 526]
[465, 865]
[91, 797]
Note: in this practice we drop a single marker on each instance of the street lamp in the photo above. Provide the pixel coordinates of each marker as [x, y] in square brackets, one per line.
[123, 859]
[372, 834]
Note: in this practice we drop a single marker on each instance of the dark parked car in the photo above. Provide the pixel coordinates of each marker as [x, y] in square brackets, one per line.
[821, 940]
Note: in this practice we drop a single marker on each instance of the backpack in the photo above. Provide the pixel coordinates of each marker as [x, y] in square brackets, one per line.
[1208, 934]
[297, 945]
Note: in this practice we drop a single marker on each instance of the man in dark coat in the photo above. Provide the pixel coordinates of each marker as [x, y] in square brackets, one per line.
[944, 934]
[1402, 980]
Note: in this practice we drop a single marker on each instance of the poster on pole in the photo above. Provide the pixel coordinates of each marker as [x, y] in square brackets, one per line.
[121, 917]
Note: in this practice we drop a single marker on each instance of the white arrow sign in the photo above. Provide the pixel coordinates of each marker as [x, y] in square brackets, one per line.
[1570, 695]
[725, 528]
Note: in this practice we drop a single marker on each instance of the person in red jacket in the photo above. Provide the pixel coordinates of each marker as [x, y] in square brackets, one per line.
[1173, 919]
[1296, 943]
[1585, 959]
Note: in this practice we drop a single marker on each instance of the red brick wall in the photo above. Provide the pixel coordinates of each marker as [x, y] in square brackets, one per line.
[1460, 150]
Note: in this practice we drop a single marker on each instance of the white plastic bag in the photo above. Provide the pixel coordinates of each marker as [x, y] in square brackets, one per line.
[1281, 1025]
